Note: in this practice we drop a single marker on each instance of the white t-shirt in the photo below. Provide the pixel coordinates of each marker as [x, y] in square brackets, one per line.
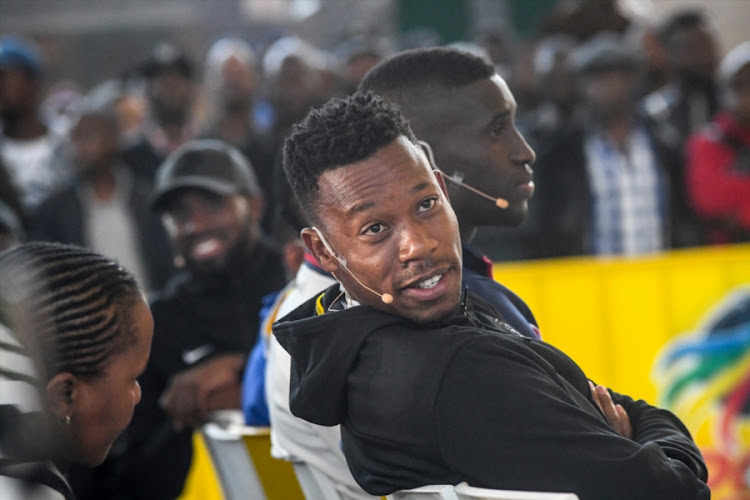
[111, 230]
[292, 438]
[33, 167]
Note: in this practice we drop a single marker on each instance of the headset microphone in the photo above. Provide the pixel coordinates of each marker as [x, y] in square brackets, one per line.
[387, 298]
[458, 179]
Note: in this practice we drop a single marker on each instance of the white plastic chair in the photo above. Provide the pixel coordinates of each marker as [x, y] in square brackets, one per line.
[242, 460]
[315, 485]
[429, 492]
[466, 492]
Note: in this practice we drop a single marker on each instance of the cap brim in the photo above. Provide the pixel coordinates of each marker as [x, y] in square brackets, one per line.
[221, 188]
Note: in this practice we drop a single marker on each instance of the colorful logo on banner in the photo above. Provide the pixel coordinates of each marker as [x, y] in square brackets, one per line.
[704, 378]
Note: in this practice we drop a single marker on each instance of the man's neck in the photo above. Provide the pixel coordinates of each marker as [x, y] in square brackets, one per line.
[235, 127]
[618, 131]
[174, 131]
[103, 183]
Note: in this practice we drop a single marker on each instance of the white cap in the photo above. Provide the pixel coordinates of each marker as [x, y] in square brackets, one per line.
[734, 61]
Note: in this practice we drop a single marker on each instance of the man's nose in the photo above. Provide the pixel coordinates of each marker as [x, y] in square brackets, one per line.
[523, 154]
[416, 242]
[197, 222]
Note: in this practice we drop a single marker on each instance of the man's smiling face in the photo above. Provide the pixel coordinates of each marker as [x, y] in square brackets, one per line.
[208, 229]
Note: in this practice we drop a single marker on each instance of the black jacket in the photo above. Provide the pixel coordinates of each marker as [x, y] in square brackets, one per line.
[60, 218]
[468, 400]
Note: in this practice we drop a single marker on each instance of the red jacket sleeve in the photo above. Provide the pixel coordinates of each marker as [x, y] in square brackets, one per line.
[714, 187]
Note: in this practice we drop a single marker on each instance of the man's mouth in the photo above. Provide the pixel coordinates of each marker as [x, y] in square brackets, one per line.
[523, 191]
[206, 249]
[429, 288]
[429, 282]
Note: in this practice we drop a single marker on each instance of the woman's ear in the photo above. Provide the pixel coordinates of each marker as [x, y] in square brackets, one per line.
[61, 393]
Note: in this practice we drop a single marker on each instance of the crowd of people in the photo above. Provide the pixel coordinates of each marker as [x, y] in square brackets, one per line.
[213, 205]
[609, 114]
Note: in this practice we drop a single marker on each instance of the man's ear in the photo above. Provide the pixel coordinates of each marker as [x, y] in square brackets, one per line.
[61, 393]
[441, 182]
[427, 150]
[315, 245]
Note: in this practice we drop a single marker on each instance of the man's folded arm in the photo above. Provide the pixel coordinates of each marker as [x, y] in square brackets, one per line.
[506, 421]
[656, 425]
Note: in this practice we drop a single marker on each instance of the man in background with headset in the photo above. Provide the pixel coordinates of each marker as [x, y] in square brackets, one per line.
[459, 105]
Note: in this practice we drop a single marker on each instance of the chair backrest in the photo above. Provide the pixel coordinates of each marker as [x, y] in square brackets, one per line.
[429, 492]
[466, 492]
[242, 458]
[315, 485]
[235, 469]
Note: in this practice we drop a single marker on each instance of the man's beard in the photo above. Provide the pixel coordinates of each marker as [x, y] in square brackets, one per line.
[440, 321]
[226, 267]
[170, 114]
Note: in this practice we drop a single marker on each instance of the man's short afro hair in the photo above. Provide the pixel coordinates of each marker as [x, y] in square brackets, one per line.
[417, 69]
[341, 132]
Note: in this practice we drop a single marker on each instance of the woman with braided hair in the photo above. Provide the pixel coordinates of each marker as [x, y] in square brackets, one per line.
[86, 325]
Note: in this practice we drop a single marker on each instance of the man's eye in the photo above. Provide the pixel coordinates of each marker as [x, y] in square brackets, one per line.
[498, 130]
[427, 204]
[374, 229]
[179, 214]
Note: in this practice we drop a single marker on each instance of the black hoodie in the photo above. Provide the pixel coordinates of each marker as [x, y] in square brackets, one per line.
[471, 400]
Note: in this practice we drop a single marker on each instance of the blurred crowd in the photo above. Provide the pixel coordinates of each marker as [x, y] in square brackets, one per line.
[611, 106]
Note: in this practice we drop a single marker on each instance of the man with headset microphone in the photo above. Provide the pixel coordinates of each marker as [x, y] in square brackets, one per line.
[427, 384]
[457, 103]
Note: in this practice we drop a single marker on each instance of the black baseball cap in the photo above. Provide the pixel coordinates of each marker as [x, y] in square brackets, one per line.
[167, 57]
[206, 164]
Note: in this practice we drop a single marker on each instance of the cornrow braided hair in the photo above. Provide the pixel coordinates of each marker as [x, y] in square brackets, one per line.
[341, 132]
[72, 303]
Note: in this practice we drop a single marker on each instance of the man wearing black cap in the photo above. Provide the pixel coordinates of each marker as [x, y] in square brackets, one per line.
[602, 188]
[171, 89]
[206, 319]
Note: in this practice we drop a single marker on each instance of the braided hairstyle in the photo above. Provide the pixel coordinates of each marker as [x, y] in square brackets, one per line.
[341, 132]
[70, 304]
